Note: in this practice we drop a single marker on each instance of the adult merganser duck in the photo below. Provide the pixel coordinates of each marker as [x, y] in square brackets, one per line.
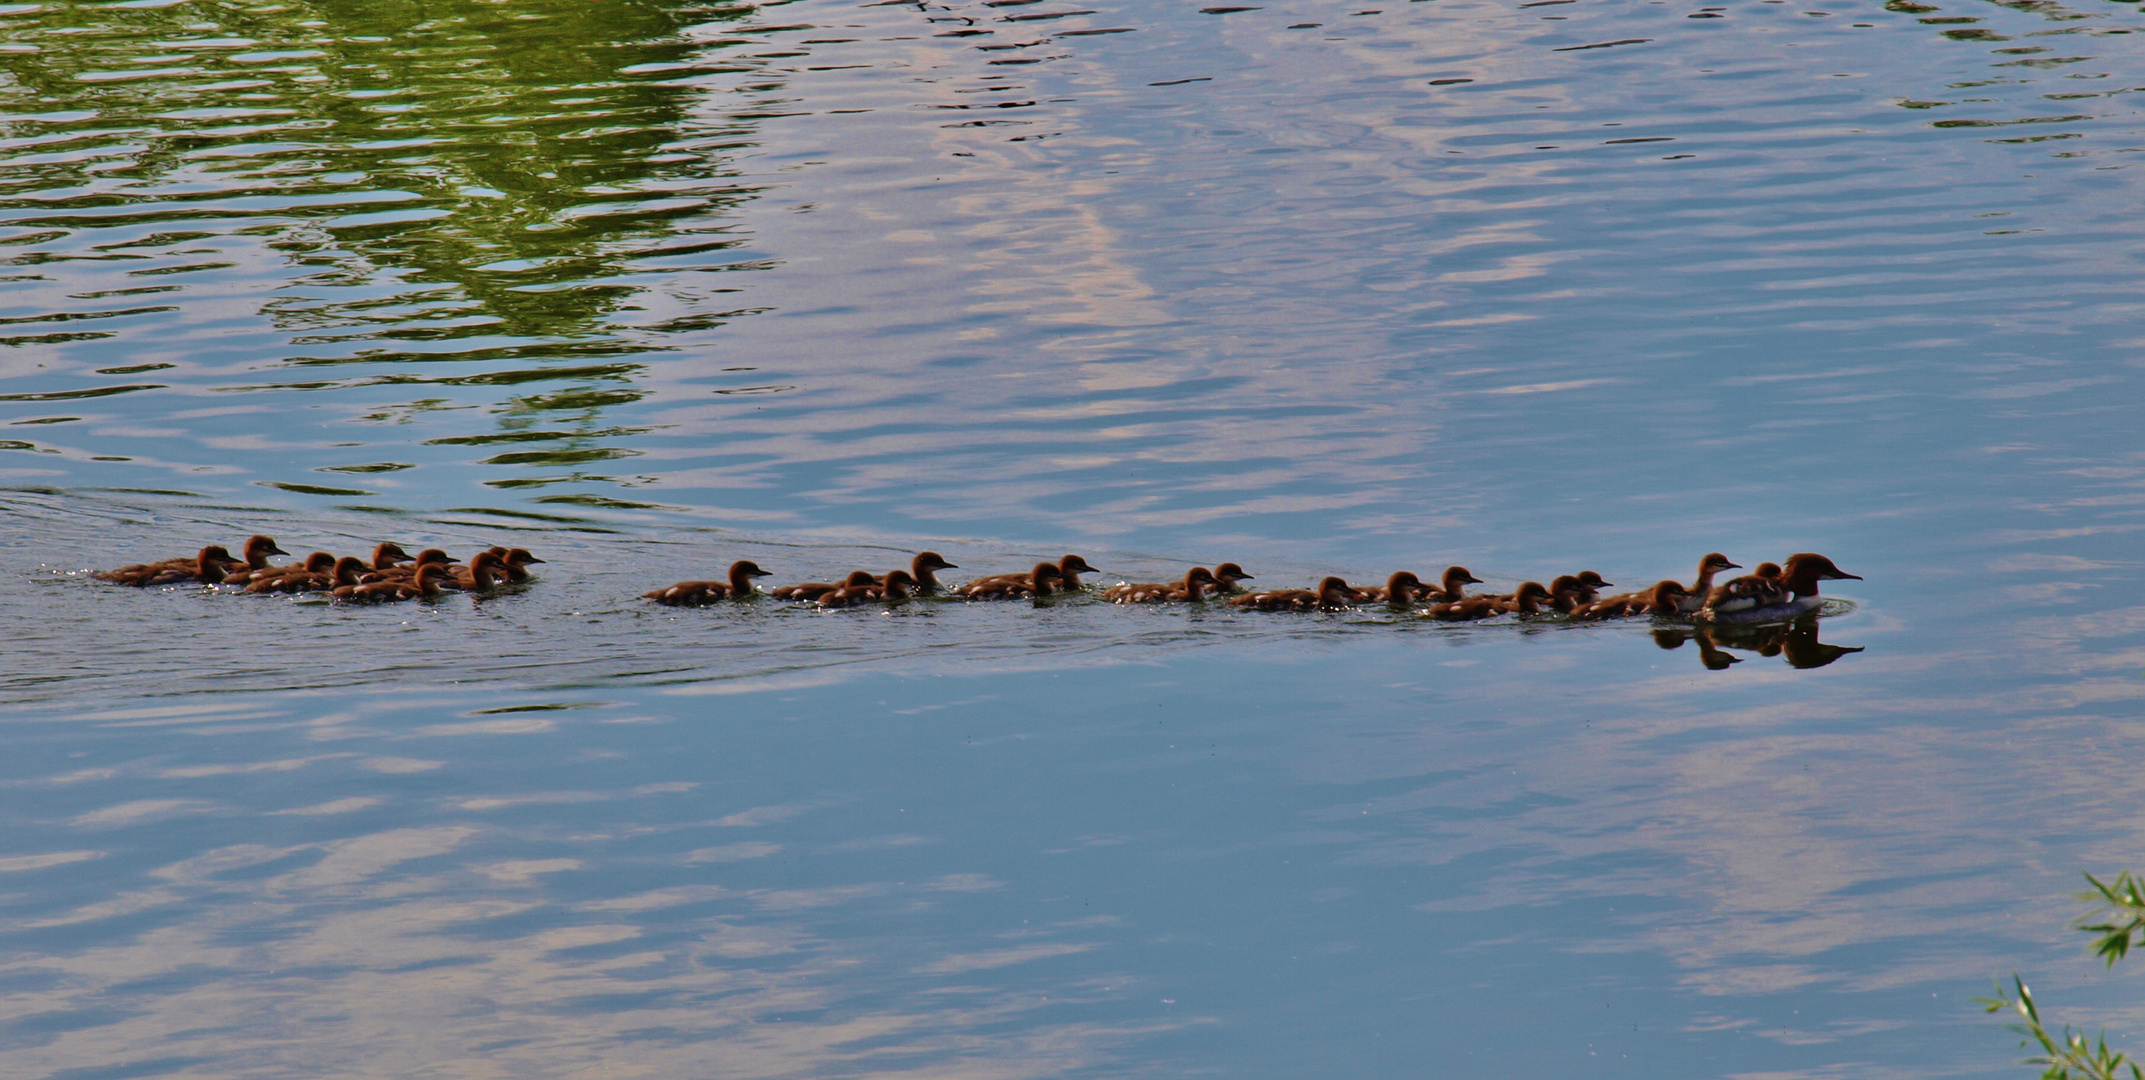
[1400, 589]
[1193, 588]
[1041, 581]
[893, 588]
[211, 565]
[1332, 594]
[923, 581]
[694, 593]
[1665, 598]
[1226, 577]
[1694, 596]
[1791, 593]
[1455, 577]
[813, 590]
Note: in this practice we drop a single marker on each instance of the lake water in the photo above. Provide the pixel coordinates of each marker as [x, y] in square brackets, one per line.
[649, 287]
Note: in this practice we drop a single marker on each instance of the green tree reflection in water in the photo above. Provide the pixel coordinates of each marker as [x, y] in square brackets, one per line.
[492, 186]
[2118, 918]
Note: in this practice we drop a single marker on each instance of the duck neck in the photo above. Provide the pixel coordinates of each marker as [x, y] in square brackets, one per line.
[1704, 584]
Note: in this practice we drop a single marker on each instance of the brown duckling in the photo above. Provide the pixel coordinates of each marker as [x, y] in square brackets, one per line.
[316, 564]
[894, 587]
[1761, 587]
[1400, 589]
[694, 593]
[485, 571]
[515, 563]
[1045, 579]
[1526, 600]
[257, 551]
[423, 585]
[1665, 598]
[317, 567]
[1694, 596]
[922, 577]
[1531, 598]
[427, 557]
[1226, 577]
[1332, 594]
[211, 565]
[1590, 586]
[1193, 588]
[512, 563]
[813, 590]
[1454, 579]
[387, 555]
[1068, 570]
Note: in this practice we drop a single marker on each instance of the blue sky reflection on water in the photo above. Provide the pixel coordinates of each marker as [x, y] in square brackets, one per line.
[1219, 861]
[650, 287]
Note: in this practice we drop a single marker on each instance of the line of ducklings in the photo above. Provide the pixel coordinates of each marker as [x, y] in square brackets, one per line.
[391, 575]
[1772, 590]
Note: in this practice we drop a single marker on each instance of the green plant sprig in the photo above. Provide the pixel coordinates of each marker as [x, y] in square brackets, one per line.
[2071, 1057]
[2123, 917]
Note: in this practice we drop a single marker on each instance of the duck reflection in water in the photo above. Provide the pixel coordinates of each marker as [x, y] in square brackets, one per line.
[1796, 641]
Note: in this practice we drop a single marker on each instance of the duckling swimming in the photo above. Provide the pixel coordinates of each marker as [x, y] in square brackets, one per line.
[424, 585]
[695, 593]
[1067, 576]
[1401, 589]
[1332, 594]
[813, 590]
[485, 571]
[1527, 600]
[1454, 580]
[513, 563]
[922, 573]
[257, 551]
[285, 579]
[427, 557]
[892, 589]
[1045, 579]
[1192, 589]
[1665, 598]
[210, 566]
[1226, 577]
[1694, 597]
[388, 554]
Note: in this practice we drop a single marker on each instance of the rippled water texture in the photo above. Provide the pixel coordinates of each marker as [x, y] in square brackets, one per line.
[650, 287]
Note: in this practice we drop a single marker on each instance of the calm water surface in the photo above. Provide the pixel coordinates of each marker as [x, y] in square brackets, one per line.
[649, 287]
